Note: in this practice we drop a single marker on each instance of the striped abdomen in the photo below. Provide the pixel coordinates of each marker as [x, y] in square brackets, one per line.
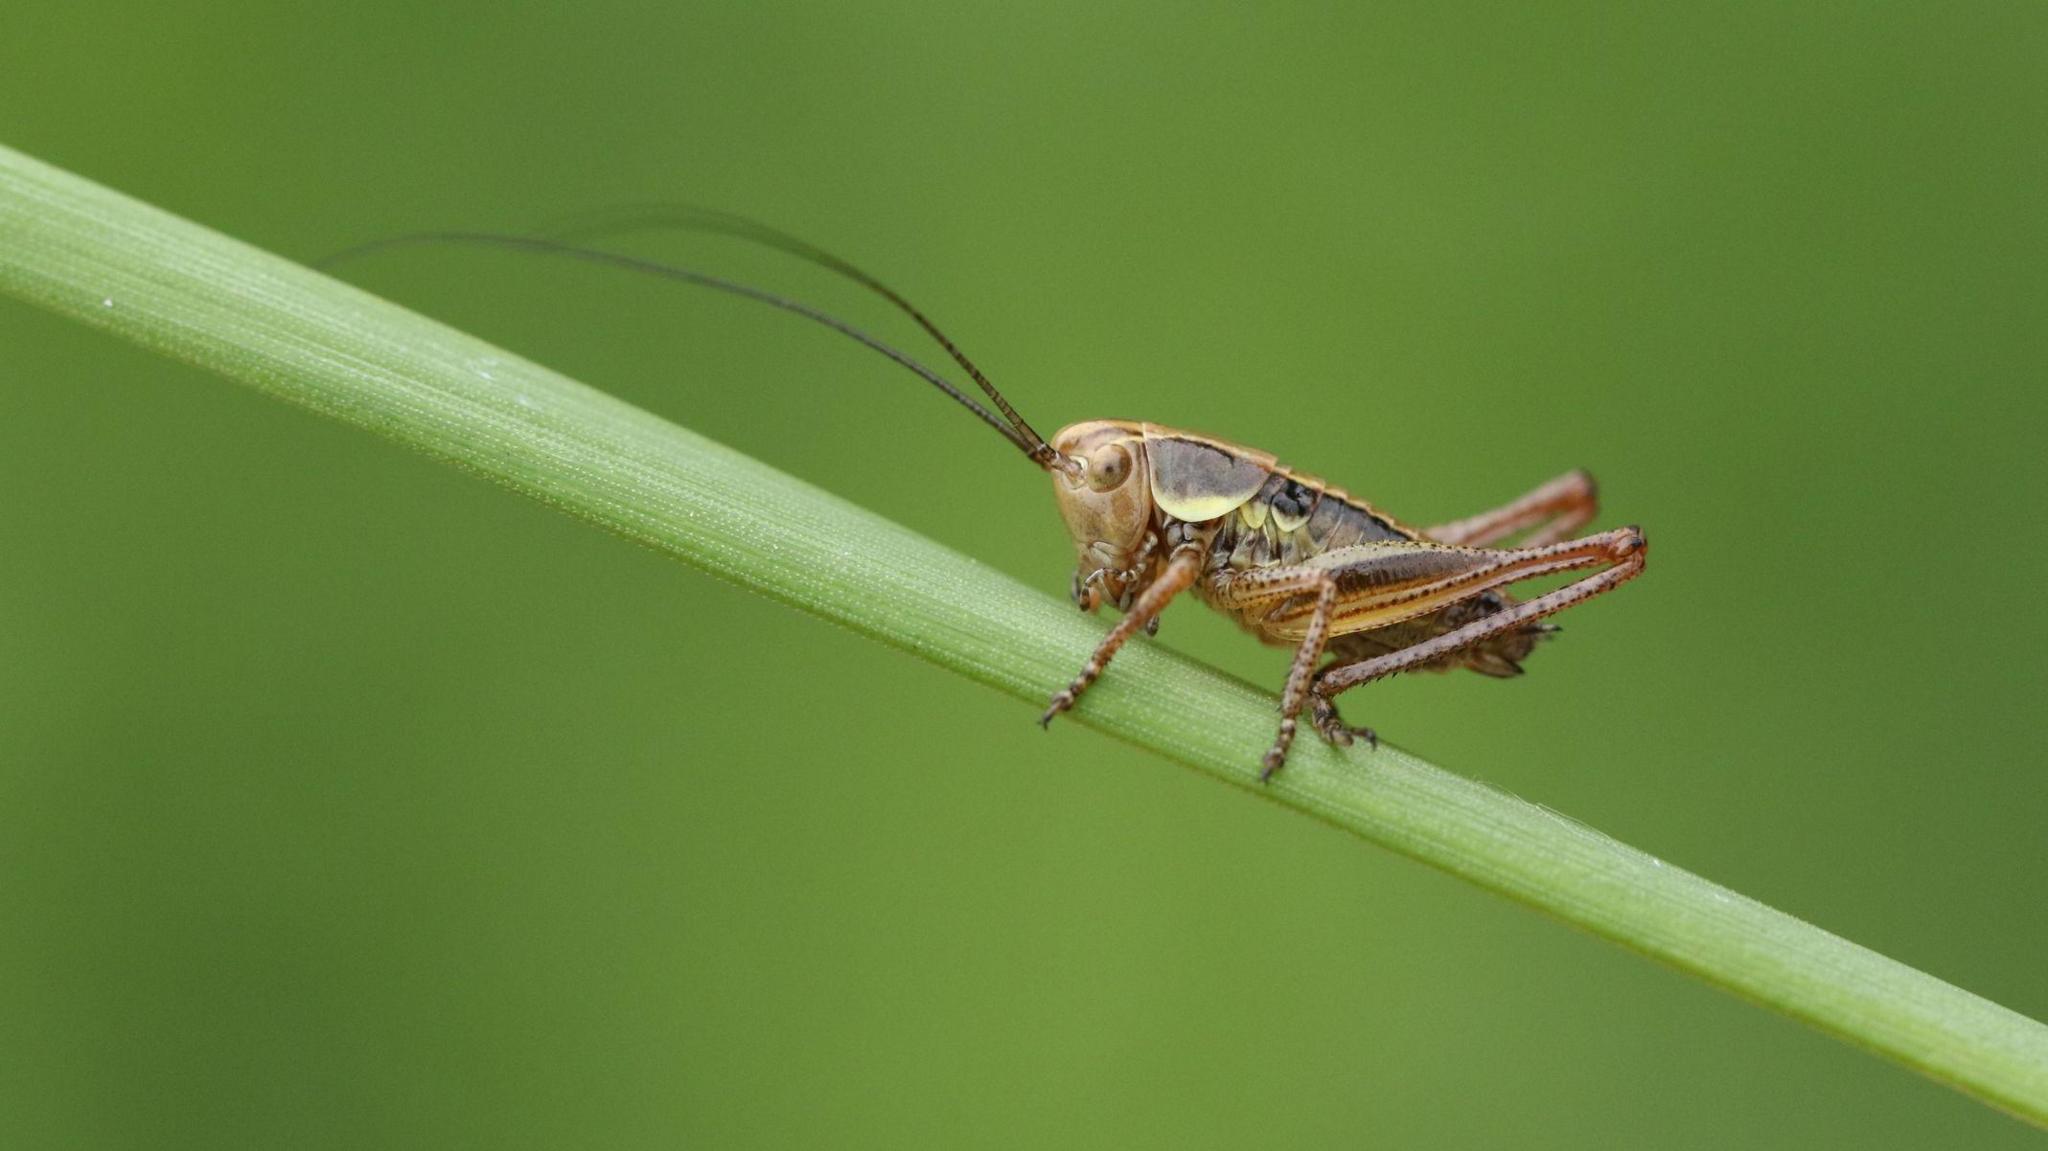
[1292, 518]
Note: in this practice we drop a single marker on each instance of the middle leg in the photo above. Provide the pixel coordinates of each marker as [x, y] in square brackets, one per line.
[1305, 658]
[1313, 587]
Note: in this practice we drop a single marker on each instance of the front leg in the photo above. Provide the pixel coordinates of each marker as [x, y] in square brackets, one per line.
[1179, 575]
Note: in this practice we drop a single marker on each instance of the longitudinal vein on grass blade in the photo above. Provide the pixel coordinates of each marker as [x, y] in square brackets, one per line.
[193, 294]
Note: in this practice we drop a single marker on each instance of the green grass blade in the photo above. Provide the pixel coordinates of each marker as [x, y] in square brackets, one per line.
[193, 294]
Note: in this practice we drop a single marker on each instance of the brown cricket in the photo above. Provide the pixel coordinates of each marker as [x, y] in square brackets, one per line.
[1155, 512]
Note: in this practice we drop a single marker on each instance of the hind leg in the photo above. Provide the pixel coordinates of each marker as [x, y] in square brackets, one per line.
[1620, 554]
[1383, 588]
[1554, 511]
[1331, 726]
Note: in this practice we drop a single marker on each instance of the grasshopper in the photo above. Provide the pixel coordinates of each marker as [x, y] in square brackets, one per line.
[1156, 512]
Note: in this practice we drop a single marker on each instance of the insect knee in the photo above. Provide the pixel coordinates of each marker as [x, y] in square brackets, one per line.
[1629, 545]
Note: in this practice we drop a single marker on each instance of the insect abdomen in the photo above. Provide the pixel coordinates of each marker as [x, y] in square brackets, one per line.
[1292, 518]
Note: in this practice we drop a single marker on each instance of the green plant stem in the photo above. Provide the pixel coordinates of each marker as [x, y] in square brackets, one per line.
[191, 293]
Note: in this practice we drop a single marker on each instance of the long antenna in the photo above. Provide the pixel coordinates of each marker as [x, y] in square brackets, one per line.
[1033, 447]
[648, 217]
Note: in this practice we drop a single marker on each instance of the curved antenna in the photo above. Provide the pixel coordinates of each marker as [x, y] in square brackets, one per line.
[651, 217]
[1036, 449]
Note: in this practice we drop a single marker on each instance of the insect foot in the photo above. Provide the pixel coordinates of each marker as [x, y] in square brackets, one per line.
[1276, 758]
[1061, 701]
[1332, 727]
[1064, 698]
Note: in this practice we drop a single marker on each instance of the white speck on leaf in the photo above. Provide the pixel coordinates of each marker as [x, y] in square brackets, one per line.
[107, 302]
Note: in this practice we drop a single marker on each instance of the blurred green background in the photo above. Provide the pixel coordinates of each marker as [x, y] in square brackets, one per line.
[346, 800]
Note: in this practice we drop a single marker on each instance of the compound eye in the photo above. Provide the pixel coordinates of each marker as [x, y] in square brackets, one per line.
[1108, 467]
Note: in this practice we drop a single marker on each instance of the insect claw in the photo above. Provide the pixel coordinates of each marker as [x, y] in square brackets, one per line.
[1061, 701]
[1332, 728]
